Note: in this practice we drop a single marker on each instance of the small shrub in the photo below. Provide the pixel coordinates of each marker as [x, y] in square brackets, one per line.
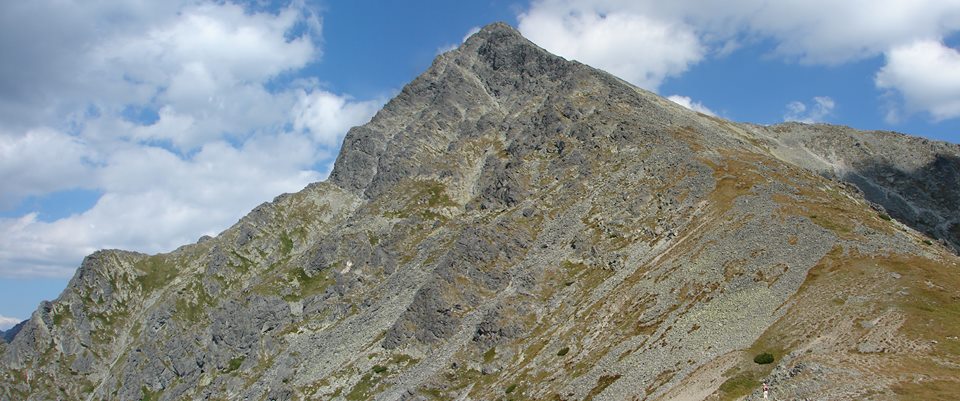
[927, 242]
[510, 388]
[563, 351]
[885, 216]
[763, 358]
[235, 363]
[379, 369]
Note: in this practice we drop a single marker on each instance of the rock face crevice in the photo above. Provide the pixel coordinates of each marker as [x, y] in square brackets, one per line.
[514, 224]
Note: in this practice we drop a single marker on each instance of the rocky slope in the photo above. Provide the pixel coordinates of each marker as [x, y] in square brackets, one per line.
[517, 226]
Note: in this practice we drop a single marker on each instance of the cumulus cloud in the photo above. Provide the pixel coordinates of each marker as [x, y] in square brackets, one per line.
[155, 201]
[327, 116]
[8, 322]
[829, 32]
[646, 41]
[184, 115]
[926, 73]
[820, 108]
[635, 47]
[691, 104]
[40, 161]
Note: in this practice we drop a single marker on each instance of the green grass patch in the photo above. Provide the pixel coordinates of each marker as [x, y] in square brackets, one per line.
[363, 390]
[59, 316]
[563, 351]
[404, 359]
[379, 369]
[740, 385]
[510, 388]
[158, 272]
[312, 285]
[490, 355]
[234, 364]
[245, 263]
[194, 309]
[286, 244]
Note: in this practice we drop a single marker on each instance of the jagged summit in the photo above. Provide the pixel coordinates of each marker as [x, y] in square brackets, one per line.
[493, 76]
[517, 225]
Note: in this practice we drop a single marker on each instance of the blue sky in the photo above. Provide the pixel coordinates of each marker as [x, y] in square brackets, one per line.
[144, 125]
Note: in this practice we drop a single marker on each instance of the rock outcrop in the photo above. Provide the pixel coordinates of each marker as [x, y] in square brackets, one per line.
[516, 225]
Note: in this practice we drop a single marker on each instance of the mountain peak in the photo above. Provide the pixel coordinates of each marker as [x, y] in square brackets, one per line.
[514, 222]
[500, 28]
[497, 31]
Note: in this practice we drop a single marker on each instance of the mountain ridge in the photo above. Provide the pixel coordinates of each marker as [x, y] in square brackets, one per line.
[501, 197]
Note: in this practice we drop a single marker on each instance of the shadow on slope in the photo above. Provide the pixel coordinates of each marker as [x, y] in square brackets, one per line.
[926, 199]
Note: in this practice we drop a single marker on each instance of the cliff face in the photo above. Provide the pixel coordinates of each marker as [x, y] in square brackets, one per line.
[515, 225]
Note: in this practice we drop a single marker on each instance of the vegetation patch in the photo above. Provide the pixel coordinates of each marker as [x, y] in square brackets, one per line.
[602, 383]
[194, 310]
[927, 390]
[147, 395]
[420, 198]
[490, 355]
[563, 351]
[740, 385]
[158, 272]
[363, 390]
[234, 364]
[309, 285]
[763, 358]
[286, 244]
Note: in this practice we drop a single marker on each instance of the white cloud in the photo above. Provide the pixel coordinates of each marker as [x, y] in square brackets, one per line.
[155, 201]
[207, 70]
[648, 41]
[635, 47]
[821, 108]
[691, 104]
[41, 161]
[470, 32]
[327, 117]
[926, 73]
[830, 32]
[233, 126]
[8, 322]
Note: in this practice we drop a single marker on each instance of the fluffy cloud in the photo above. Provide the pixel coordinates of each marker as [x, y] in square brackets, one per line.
[40, 161]
[637, 48]
[830, 32]
[927, 75]
[155, 201]
[648, 41]
[184, 115]
[821, 108]
[8, 322]
[327, 116]
[691, 104]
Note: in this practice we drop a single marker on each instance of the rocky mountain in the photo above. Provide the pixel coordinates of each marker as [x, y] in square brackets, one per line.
[7, 336]
[517, 226]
